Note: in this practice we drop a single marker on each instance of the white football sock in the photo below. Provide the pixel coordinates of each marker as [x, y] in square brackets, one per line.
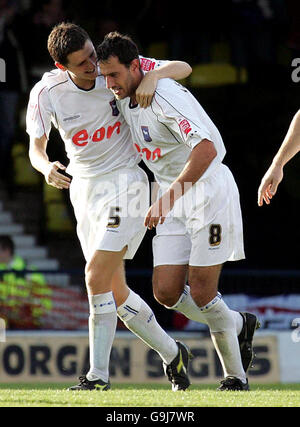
[222, 327]
[187, 306]
[102, 327]
[140, 319]
[238, 321]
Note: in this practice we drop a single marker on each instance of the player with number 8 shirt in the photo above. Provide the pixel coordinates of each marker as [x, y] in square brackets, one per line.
[197, 214]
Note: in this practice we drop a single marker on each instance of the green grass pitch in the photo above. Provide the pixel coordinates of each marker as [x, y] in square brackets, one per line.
[148, 395]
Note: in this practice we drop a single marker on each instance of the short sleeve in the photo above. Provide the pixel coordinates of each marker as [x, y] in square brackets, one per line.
[176, 109]
[39, 112]
[149, 64]
[190, 133]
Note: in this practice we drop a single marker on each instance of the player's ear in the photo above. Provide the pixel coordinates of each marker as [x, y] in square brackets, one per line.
[60, 66]
[135, 64]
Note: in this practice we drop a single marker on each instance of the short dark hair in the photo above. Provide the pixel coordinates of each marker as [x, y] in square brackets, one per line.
[119, 45]
[66, 38]
[6, 242]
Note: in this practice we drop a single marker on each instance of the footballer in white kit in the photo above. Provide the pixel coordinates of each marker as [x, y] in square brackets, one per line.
[109, 193]
[197, 214]
[205, 225]
[103, 160]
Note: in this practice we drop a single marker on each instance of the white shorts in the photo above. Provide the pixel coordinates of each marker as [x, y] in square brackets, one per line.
[110, 211]
[205, 226]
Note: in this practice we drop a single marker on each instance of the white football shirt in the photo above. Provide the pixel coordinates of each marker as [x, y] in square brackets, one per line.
[97, 138]
[165, 133]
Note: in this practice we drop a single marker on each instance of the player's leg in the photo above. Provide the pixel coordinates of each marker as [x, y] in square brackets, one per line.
[138, 317]
[219, 318]
[168, 283]
[216, 234]
[103, 311]
[173, 245]
[171, 256]
[119, 285]
[104, 252]
[171, 290]
[99, 272]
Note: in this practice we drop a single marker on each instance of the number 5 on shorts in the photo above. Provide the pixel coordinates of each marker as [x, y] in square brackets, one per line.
[114, 219]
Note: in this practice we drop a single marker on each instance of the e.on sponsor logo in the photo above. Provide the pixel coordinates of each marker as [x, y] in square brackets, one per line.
[150, 155]
[82, 137]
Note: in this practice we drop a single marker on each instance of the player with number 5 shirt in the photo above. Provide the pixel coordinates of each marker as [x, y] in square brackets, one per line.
[105, 180]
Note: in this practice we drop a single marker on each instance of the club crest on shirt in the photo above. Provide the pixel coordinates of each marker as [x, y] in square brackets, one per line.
[115, 110]
[146, 133]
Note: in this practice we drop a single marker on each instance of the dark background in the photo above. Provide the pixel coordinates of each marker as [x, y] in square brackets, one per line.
[261, 36]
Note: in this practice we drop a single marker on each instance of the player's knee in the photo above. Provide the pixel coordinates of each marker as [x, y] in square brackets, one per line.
[163, 298]
[95, 282]
[90, 280]
[163, 294]
[202, 292]
[199, 296]
[204, 283]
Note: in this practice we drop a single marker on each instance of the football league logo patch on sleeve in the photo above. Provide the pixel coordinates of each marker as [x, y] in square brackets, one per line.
[146, 133]
[185, 126]
[147, 64]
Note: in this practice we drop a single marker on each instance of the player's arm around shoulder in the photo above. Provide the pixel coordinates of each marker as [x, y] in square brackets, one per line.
[40, 161]
[176, 70]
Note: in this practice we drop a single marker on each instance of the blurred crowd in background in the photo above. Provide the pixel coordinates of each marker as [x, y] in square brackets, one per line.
[259, 36]
[253, 29]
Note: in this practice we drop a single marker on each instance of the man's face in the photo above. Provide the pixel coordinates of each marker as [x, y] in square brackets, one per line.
[119, 78]
[82, 64]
